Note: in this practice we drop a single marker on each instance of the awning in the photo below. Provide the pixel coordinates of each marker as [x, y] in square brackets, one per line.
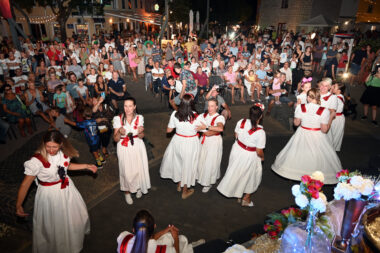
[151, 18]
[318, 21]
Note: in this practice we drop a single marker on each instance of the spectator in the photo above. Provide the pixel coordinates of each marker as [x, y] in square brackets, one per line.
[35, 100]
[82, 91]
[118, 89]
[75, 68]
[157, 74]
[60, 99]
[16, 111]
[201, 80]
[60, 122]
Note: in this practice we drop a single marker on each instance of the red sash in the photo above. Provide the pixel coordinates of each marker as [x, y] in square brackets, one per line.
[311, 129]
[124, 245]
[320, 110]
[251, 149]
[243, 123]
[187, 136]
[126, 140]
[254, 130]
[303, 108]
[64, 184]
[339, 114]
[341, 99]
[212, 124]
[327, 97]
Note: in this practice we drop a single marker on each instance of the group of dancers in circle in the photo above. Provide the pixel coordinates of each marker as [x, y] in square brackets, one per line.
[60, 218]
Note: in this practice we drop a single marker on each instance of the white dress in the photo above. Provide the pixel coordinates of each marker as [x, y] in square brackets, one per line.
[308, 150]
[302, 97]
[329, 101]
[166, 239]
[337, 125]
[133, 160]
[244, 169]
[211, 152]
[181, 157]
[60, 218]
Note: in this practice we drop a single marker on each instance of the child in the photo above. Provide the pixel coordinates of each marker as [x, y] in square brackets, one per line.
[305, 87]
[69, 99]
[276, 85]
[78, 111]
[92, 136]
[61, 123]
[283, 57]
[82, 91]
[60, 99]
[255, 85]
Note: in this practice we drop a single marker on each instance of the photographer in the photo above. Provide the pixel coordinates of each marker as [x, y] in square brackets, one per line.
[223, 108]
[371, 96]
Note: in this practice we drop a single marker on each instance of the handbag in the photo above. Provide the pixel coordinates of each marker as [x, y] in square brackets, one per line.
[23, 106]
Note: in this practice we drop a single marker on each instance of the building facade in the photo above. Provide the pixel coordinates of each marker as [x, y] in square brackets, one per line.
[131, 15]
[344, 15]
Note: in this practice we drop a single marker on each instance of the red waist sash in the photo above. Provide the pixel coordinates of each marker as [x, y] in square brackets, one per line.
[187, 136]
[252, 149]
[339, 114]
[204, 137]
[311, 129]
[126, 140]
[63, 184]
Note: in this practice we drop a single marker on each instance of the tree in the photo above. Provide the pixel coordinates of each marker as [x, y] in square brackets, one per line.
[64, 8]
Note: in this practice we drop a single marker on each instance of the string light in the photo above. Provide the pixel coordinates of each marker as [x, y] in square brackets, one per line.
[39, 20]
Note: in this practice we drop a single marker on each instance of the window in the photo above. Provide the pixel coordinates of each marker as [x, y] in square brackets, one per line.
[284, 4]
[114, 4]
[370, 8]
[123, 4]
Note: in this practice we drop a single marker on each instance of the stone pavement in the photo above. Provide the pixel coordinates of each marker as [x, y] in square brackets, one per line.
[110, 215]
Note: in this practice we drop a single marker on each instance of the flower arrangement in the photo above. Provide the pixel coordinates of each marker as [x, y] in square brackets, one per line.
[277, 222]
[352, 185]
[308, 193]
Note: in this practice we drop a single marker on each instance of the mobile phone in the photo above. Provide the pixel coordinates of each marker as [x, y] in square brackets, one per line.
[103, 94]
[216, 86]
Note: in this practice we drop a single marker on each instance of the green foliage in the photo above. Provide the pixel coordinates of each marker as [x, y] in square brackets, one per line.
[375, 44]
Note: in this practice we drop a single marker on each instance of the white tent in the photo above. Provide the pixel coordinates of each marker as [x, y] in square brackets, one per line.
[318, 21]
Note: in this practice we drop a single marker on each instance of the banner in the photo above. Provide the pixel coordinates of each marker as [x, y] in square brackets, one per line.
[5, 9]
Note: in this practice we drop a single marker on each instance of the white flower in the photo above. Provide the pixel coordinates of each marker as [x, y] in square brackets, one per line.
[318, 204]
[357, 181]
[302, 201]
[367, 187]
[346, 191]
[323, 197]
[296, 190]
[317, 175]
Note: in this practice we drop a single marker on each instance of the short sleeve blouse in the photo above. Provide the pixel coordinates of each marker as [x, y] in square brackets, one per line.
[137, 122]
[256, 139]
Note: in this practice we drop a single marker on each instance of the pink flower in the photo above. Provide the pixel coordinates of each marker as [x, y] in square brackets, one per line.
[305, 179]
[277, 223]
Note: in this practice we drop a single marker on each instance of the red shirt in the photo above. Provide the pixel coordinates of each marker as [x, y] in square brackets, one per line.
[174, 74]
[343, 61]
[202, 78]
[53, 55]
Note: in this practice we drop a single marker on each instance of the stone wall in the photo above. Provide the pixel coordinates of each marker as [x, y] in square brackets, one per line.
[271, 14]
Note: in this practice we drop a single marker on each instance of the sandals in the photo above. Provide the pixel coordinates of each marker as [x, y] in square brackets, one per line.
[245, 203]
[187, 194]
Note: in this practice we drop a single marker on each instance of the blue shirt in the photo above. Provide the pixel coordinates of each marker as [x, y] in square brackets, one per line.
[90, 131]
[71, 88]
[234, 50]
[117, 86]
[261, 74]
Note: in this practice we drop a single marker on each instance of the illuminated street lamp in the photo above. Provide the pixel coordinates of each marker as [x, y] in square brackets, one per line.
[156, 7]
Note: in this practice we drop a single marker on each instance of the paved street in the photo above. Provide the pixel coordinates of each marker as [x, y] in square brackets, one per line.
[207, 216]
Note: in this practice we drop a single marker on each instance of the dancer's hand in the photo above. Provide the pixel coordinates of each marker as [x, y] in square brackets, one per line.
[20, 212]
[122, 131]
[92, 168]
[201, 127]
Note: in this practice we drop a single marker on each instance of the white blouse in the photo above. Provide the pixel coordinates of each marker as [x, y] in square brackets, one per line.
[34, 167]
[186, 128]
[331, 102]
[129, 128]
[310, 118]
[257, 139]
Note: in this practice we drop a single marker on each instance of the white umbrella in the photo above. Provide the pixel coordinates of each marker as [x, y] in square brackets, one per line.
[191, 21]
[197, 20]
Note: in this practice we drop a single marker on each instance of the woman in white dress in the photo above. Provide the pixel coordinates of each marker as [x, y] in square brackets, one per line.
[328, 101]
[144, 240]
[180, 161]
[60, 218]
[211, 146]
[309, 148]
[131, 151]
[337, 126]
[244, 171]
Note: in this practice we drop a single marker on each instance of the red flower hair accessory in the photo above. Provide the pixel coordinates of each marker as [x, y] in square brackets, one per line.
[260, 105]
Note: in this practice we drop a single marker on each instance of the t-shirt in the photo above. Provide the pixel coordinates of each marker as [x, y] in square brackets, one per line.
[90, 131]
[62, 126]
[82, 90]
[117, 85]
[157, 71]
[202, 78]
[72, 89]
[231, 77]
[190, 82]
[359, 55]
[60, 99]
[15, 60]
